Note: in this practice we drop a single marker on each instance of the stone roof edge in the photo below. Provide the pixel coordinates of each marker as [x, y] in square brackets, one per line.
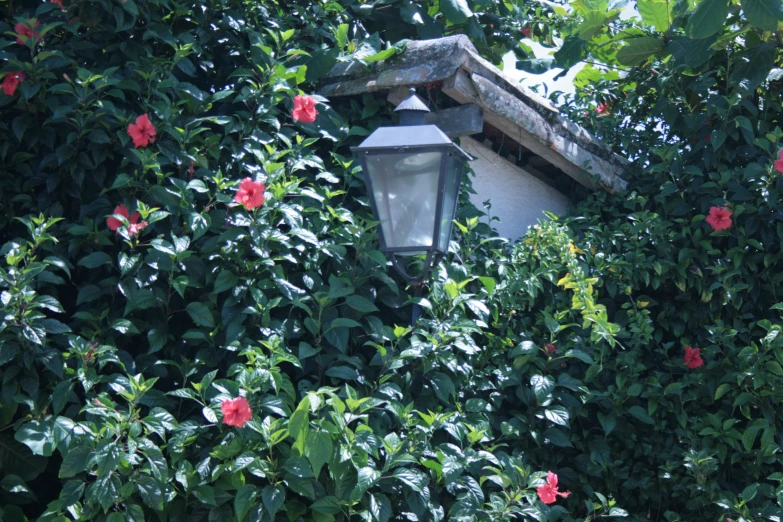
[430, 61]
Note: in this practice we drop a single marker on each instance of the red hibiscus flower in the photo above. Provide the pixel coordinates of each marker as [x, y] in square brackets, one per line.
[142, 132]
[27, 30]
[550, 348]
[236, 412]
[719, 218]
[548, 492]
[602, 110]
[304, 109]
[134, 226]
[526, 32]
[58, 2]
[11, 82]
[779, 163]
[250, 193]
[693, 358]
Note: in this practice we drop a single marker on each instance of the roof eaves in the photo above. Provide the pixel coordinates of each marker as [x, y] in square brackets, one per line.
[521, 114]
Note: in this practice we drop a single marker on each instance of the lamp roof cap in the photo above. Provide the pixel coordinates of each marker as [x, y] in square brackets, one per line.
[412, 103]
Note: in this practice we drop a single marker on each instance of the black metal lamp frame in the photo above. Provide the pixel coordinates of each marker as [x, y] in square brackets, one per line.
[412, 113]
[434, 252]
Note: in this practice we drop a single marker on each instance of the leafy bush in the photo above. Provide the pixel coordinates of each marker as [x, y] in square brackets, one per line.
[148, 292]
[180, 342]
[688, 258]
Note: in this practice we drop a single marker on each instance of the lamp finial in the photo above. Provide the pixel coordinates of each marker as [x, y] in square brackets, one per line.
[412, 110]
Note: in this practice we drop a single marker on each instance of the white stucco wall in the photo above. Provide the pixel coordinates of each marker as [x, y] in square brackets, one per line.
[518, 198]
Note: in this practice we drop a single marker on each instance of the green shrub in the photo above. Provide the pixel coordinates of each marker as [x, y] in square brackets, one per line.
[141, 298]
[150, 302]
[692, 96]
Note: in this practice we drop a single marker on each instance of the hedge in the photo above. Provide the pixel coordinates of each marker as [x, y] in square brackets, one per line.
[197, 323]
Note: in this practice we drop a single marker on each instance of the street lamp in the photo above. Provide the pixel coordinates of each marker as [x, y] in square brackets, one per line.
[413, 174]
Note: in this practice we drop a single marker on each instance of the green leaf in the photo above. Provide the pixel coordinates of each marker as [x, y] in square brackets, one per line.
[53, 326]
[186, 66]
[107, 490]
[456, 11]
[273, 498]
[524, 348]
[205, 494]
[366, 478]
[763, 14]
[380, 56]
[443, 386]
[318, 450]
[157, 339]
[411, 13]
[327, 505]
[226, 280]
[639, 413]
[751, 67]
[98, 136]
[71, 492]
[749, 492]
[88, 294]
[592, 24]
[599, 452]
[298, 467]
[342, 321]
[656, 13]
[579, 354]
[558, 415]
[244, 500]
[74, 461]
[542, 387]
[380, 507]
[360, 304]
[124, 326]
[95, 260]
[557, 437]
[573, 51]
[489, 283]
[415, 479]
[200, 314]
[298, 423]
[150, 490]
[722, 390]
[596, 5]
[60, 395]
[638, 50]
[38, 436]
[608, 422]
[774, 367]
[708, 18]
[341, 35]
[198, 224]
[691, 52]
[17, 459]
[749, 437]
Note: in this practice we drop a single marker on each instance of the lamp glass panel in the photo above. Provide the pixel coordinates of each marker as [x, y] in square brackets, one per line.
[450, 196]
[405, 190]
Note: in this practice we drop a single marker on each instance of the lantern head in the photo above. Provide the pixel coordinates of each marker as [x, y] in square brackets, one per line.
[413, 174]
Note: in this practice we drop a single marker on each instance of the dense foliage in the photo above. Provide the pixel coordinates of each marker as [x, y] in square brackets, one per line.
[691, 255]
[180, 342]
[153, 296]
